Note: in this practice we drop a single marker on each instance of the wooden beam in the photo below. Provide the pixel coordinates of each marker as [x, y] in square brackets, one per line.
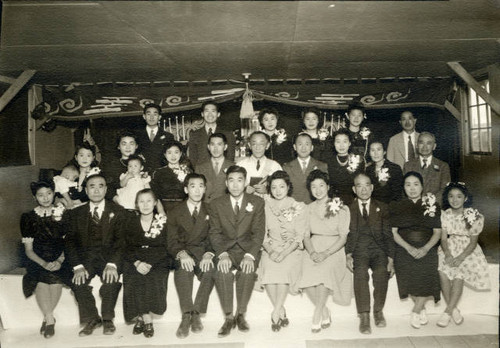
[6, 79]
[469, 79]
[15, 87]
[453, 110]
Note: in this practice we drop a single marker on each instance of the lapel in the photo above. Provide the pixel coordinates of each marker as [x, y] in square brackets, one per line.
[242, 213]
[310, 166]
[105, 220]
[83, 219]
[228, 207]
[297, 167]
[186, 218]
[372, 214]
[402, 147]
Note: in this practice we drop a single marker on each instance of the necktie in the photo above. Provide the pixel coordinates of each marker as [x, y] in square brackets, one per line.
[258, 164]
[210, 131]
[95, 216]
[411, 149]
[425, 163]
[365, 212]
[216, 167]
[236, 209]
[304, 166]
[152, 135]
[195, 214]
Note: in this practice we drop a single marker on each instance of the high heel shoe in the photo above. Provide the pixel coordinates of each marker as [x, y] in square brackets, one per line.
[49, 330]
[325, 323]
[284, 321]
[42, 329]
[275, 326]
[316, 328]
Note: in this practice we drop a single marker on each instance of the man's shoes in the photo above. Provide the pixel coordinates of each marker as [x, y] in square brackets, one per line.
[423, 317]
[379, 319]
[226, 328]
[183, 330]
[49, 330]
[90, 327]
[364, 323]
[415, 320]
[456, 316]
[196, 325]
[108, 327]
[149, 330]
[138, 327]
[242, 323]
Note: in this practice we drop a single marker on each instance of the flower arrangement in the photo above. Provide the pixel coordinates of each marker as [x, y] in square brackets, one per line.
[470, 216]
[365, 133]
[280, 135]
[383, 174]
[57, 211]
[353, 163]
[323, 133]
[333, 206]
[156, 226]
[429, 202]
[181, 172]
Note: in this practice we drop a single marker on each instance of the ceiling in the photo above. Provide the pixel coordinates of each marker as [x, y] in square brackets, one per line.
[90, 41]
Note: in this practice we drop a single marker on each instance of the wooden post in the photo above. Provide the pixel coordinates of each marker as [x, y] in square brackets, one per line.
[15, 87]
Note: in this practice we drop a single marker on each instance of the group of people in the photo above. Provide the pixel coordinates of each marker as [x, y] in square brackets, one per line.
[301, 214]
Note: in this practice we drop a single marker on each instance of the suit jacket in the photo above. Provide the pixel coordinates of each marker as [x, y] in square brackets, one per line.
[246, 230]
[198, 151]
[77, 241]
[298, 178]
[436, 175]
[396, 148]
[153, 151]
[380, 227]
[216, 183]
[185, 234]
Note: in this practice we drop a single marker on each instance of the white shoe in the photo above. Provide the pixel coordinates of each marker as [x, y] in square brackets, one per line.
[457, 317]
[423, 317]
[415, 320]
[444, 320]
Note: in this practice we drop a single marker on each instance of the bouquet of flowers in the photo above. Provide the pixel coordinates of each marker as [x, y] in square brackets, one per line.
[429, 202]
[383, 174]
[157, 225]
[353, 163]
[181, 172]
[470, 216]
[280, 135]
[333, 206]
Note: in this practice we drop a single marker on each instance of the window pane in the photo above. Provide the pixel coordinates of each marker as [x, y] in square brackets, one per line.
[485, 143]
[473, 117]
[472, 97]
[487, 85]
[474, 140]
[483, 116]
[480, 100]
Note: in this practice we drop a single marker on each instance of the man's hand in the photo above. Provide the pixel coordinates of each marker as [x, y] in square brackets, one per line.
[110, 274]
[206, 262]
[80, 275]
[224, 264]
[349, 262]
[247, 265]
[250, 190]
[187, 262]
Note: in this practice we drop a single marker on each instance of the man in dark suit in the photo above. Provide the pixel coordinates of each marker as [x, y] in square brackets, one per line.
[237, 228]
[402, 146]
[198, 139]
[94, 246]
[436, 173]
[187, 236]
[302, 166]
[215, 168]
[369, 245]
[152, 138]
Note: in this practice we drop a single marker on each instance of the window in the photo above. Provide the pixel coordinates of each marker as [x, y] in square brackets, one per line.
[479, 126]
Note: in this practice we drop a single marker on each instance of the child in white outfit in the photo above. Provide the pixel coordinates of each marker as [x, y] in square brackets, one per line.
[132, 182]
[67, 179]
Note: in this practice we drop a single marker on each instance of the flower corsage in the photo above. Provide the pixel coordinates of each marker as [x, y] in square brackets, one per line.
[365, 133]
[470, 216]
[280, 136]
[181, 172]
[93, 171]
[323, 133]
[57, 211]
[353, 163]
[333, 206]
[383, 174]
[156, 226]
[249, 207]
[291, 212]
[429, 202]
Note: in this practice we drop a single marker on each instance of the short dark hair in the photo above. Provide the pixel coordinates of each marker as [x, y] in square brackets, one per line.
[459, 186]
[359, 175]
[280, 174]
[415, 174]
[151, 105]
[194, 176]
[377, 142]
[37, 185]
[355, 106]
[268, 138]
[271, 111]
[342, 131]
[143, 191]
[236, 169]
[302, 134]
[217, 135]
[315, 111]
[179, 145]
[209, 102]
[85, 145]
[93, 176]
[316, 174]
[124, 134]
[136, 157]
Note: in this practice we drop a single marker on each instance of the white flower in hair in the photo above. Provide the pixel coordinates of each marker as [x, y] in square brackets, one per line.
[323, 133]
[353, 163]
[365, 133]
[281, 136]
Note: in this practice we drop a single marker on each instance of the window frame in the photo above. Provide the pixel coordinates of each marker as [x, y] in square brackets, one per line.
[479, 105]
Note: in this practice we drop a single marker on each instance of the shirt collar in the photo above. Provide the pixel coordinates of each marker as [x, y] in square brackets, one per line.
[192, 205]
[233, 201]
[428, 160]
[360, 204]
[149, 129]
[213, 128]
[262, 159]
[100, 207]
[302, 160]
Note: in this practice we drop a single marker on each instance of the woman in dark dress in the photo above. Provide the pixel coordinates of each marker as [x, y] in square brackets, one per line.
[280, 148]
[312, 124]
[343, 166]
[416, 226]
[146, 265]
[360, 135]
[386, 176]
[42, 236]
[168, 181]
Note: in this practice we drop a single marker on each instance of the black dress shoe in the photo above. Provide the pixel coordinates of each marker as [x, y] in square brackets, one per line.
[49, 330]
[284, 321]
[42, 329]
[196, 325]
[242, 323]
[138, 327]
[149, 330]
[226, 327]
[364, 323]
[108, 327]
[183, 330]
[276, 326]
[90, 327]
[379, 319]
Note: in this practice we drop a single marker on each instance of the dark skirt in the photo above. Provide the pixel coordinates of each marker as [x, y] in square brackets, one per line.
[37, 274]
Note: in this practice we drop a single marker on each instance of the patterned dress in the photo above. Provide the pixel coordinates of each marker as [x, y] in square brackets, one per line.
[474, 269]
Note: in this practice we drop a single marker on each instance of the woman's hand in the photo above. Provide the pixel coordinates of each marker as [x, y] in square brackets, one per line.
[142, 267]
[421, 252]
[286, 235]
[412, 251]
[457, 261]
[448, 259]
[322, 256]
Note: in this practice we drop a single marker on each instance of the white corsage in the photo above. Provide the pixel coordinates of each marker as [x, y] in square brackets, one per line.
[111, 215]
[333, 206]
[436, 167]
[156, 226]
[162, 137]
[377, 210]
[249, 207]
[57, 212]
[323, 133]
[181, 172]
[93, 171]
[383, 174]
[429, 202]
[280, 136]
[470, 216]
[291, 212]
[207, 217]
[353, 163]
[365, 133]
